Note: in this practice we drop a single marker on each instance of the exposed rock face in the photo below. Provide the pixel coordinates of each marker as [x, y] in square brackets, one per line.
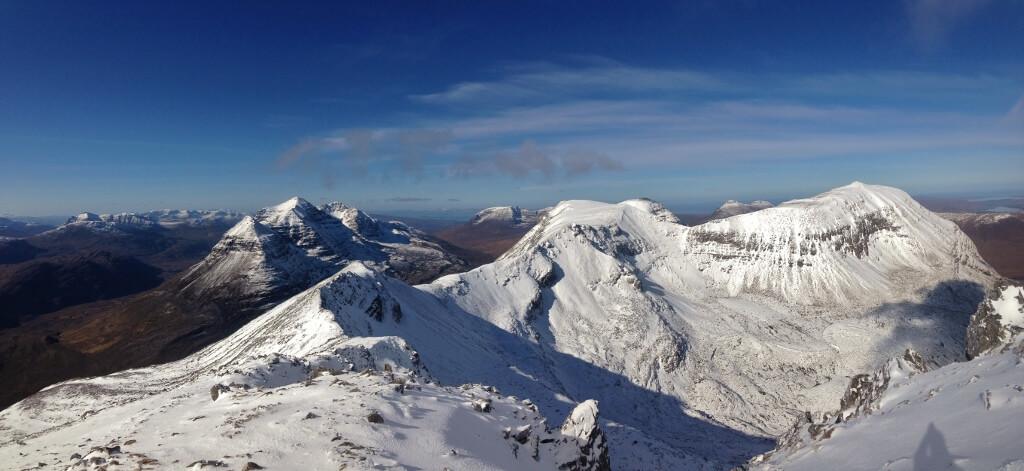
[862, 398]
[582, 425]
[999, 317]
[866, 389]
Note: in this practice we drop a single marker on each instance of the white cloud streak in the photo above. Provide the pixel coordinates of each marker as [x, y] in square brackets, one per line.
[606, 117]
[540, 81]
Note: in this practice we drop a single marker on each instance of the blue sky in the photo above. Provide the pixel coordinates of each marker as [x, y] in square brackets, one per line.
[405, 106]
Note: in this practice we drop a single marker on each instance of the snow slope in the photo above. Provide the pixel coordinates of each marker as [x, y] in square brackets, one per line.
[963, 416]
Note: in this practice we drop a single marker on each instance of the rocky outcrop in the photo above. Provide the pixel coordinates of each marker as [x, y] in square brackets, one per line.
[999, 317]
[861, 398]
[582, 426]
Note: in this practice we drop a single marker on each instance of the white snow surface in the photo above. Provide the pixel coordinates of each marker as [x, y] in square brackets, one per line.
[963, 416]
[1010, 305]
[700, 343]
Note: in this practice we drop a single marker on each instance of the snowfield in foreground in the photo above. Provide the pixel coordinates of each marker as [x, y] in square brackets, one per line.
[358, 408]
[964, 416]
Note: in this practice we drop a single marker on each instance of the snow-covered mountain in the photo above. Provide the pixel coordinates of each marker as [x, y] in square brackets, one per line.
[286, 248]
[733, 208]
[508, 215]
[963, 416]
[743, 322]
[701, 344]
[107, 222]
[192, 217]
[324, 365]
[164, 218]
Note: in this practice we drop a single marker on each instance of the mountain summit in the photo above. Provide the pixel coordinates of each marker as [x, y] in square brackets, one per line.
[285, 248]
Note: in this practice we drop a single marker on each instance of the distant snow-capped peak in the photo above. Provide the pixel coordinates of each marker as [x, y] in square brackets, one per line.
[168, 218]
[353, 218]
[510, 215]
[290, 246]
[732, 208]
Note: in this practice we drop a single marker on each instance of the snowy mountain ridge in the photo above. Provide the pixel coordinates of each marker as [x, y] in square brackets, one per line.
[167, 218]
[622, 304]
[307, 355]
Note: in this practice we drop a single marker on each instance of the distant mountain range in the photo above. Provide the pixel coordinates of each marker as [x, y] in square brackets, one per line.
[14, 228]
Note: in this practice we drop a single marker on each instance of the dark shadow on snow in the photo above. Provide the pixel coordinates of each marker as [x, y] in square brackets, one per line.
[932, 453]
[936, 327]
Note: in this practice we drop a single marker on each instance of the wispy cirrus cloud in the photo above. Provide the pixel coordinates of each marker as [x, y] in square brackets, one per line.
[545, 80]
[603, 116]
[531, 160]
[1017, 112]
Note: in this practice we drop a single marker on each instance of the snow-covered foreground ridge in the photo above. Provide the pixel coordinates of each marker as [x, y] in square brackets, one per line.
[700, 343]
